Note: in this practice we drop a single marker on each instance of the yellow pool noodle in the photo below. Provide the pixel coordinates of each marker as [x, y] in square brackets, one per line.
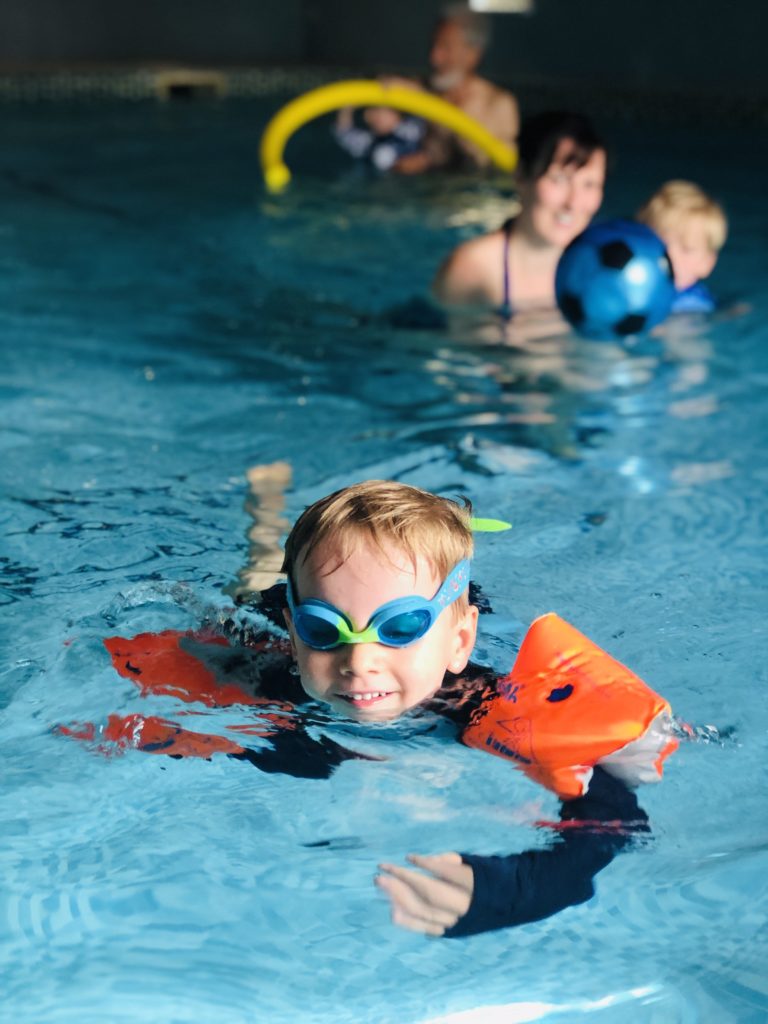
[368, 93]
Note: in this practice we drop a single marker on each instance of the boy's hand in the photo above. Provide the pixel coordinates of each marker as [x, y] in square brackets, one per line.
[432, 902]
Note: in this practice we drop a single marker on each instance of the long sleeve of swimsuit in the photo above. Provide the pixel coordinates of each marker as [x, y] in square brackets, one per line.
[529, 886]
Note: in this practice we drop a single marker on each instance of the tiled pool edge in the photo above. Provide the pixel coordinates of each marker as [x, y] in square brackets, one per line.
[160, 82]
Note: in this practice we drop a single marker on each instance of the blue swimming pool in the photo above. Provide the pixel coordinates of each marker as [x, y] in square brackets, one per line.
[166, 326]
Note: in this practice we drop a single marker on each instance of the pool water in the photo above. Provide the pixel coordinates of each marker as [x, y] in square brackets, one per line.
[166, 326]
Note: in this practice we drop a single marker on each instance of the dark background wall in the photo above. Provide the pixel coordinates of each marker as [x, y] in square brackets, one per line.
[63, 32]
[706, 47]
[680, 45]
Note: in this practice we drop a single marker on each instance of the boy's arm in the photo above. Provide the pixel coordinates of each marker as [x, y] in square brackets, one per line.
[467, 894]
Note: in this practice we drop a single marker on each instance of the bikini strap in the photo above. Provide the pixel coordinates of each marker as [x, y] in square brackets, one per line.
[506, 306]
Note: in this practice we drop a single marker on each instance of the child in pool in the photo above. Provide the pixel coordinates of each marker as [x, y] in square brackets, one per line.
[693, 227]
[380, 623]
[384, 137]
[371, 550]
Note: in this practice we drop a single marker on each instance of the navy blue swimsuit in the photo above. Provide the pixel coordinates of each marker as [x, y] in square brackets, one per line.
[510, 889]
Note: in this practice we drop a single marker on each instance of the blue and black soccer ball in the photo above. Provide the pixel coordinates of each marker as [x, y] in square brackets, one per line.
[615, 280]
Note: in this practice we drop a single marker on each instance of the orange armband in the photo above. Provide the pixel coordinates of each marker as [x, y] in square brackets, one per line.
[567, 706]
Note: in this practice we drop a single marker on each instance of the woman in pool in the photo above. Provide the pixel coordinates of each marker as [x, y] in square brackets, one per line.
[562, 167]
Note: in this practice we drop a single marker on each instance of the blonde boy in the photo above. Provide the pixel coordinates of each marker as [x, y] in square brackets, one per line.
[378, 610]
[693, 227]
[379, 620]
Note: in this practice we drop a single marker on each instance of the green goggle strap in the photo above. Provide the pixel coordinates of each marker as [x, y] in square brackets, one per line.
[478, 525]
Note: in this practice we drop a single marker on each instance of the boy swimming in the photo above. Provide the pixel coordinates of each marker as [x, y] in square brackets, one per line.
[379, 620]
[380, 625]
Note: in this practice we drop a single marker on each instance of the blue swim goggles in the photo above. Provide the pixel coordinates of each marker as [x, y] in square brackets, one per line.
[397, 623]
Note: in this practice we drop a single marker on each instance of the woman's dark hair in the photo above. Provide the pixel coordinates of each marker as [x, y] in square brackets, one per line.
[541, 134]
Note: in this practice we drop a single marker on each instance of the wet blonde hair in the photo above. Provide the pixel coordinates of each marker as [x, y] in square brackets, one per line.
[384, 513]
[677, 204]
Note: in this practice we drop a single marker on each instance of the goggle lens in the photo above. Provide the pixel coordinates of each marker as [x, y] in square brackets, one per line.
[405, 628]
[316, 632]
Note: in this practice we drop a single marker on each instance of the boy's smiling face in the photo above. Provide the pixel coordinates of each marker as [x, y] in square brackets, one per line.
[371, 682]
